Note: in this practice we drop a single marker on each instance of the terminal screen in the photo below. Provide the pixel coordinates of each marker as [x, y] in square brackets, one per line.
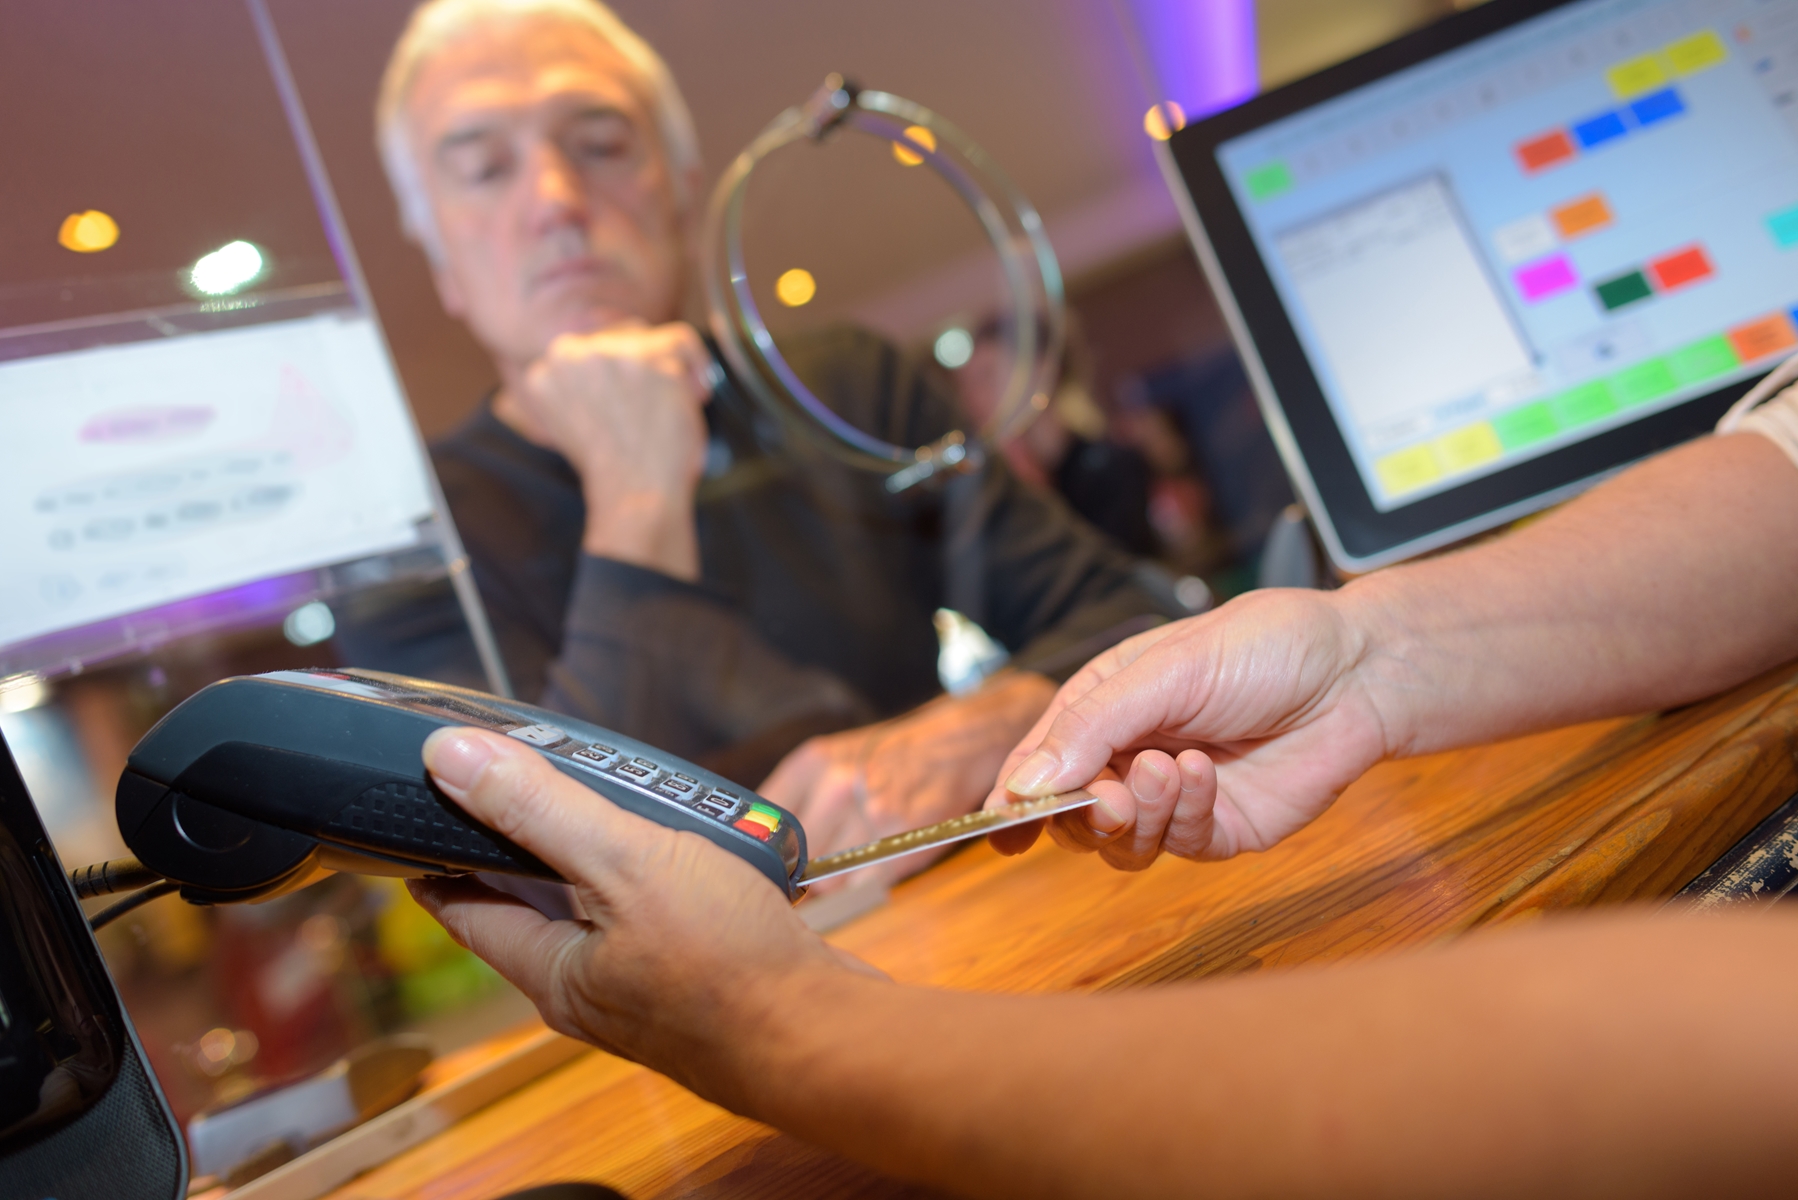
[1584, 219]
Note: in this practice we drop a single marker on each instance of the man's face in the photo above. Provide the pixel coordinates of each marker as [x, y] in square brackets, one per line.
[552, 193]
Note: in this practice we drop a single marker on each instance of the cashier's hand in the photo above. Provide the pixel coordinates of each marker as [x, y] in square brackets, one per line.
[1207, 737]
[935, 762]
[626, 407]
[684, 943]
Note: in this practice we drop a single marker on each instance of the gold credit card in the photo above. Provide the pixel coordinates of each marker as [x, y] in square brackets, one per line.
[955, 829]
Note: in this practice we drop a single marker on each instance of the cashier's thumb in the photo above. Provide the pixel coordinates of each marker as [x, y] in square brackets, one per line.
[456, 757]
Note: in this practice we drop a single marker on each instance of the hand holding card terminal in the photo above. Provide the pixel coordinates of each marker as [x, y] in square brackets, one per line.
[257, 785]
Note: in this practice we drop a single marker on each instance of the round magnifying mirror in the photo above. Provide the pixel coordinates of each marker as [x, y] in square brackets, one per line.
[863, 214]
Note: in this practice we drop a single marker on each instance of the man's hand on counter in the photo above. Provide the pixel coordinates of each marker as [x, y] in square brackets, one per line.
[935, 762]
[1207, 737]
[626, 407]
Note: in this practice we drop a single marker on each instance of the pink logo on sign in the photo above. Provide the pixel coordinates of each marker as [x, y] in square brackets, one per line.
[1546, 278]
[147, 424]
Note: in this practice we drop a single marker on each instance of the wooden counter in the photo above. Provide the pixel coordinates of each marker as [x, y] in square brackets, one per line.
[1417, 850]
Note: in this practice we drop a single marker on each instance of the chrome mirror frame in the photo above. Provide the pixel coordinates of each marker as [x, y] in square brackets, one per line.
[1036, 319]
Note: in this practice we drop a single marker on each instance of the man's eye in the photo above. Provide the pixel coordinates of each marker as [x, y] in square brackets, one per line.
[600, 149]
[486, 169]
[599, 139]
[476, 164]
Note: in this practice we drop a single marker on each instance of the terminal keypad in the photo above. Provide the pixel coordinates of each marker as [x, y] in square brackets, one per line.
[596, 753]
[644, 774]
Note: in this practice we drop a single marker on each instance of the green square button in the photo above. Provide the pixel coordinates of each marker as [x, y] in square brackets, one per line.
[1525, 426]
[1624, 289]
[1264, 183]
[1583, 405]
[1703, 360]
[1649, 380]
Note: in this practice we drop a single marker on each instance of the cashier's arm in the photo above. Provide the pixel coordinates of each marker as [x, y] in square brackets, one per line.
[1595, 1057]
[1675, 580]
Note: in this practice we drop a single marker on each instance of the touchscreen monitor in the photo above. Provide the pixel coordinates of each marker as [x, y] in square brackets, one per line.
[1479, 268]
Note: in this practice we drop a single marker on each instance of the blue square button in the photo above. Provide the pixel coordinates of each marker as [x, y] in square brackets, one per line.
[1600, 129]
[1657, 106]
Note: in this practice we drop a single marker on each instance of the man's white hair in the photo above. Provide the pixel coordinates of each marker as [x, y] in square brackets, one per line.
[437, 23]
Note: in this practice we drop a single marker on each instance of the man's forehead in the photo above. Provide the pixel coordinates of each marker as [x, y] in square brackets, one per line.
[515, 69]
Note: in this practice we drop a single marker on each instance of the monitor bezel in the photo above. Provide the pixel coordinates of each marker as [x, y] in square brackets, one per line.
[1357, 535]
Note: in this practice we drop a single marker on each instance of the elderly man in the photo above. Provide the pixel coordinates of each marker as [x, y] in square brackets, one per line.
[651, 559]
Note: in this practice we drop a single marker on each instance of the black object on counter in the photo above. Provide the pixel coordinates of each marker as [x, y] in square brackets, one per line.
[80, 1113]
[256, 785]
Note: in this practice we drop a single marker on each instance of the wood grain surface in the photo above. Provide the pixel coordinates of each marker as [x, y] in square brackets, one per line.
[1419, 850]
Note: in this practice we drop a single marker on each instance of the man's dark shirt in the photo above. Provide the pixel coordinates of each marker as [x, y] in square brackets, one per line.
[814, 609]
[1108, 485]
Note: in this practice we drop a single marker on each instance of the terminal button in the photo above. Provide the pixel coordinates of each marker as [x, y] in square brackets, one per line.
[719, 804]
[538, 735]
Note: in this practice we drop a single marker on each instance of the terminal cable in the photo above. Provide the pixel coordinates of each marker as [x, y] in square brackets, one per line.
[118, 875]
[137, 899]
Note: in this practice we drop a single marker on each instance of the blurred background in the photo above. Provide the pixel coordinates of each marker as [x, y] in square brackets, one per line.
[1154, 434]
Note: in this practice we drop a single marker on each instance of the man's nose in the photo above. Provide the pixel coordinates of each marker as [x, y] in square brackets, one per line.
[557, 194]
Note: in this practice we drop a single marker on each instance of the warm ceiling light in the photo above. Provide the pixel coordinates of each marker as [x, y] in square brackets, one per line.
[86, 232]
[917, 135]
[1161, 120]
[227, 269]
[795, 287]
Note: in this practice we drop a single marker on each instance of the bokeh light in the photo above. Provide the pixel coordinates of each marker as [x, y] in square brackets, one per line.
[917, 135]
[954, 347]
[309, 624]
[795, 287]
[1161, 120]
[87, 232]
[21, 692]
[227, 269]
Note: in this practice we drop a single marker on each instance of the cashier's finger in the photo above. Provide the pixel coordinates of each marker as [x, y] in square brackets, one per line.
[1156, 785]
[509, 935]
[507, 787]
[1100, 823]
[1075, 690]
[1125, 710]
[1017, 838]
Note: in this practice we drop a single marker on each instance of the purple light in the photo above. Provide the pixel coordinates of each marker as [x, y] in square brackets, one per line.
[1202, 51]
[262, 602]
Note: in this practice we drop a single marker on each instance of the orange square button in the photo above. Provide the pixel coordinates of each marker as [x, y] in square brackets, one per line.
[1758, 339]
[1582, 216]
